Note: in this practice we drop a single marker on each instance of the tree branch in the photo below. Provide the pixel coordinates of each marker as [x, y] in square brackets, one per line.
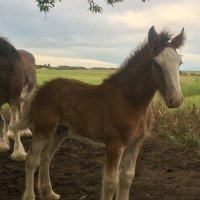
[46, 5]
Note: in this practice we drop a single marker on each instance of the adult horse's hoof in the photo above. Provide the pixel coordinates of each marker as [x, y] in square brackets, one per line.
[4, 145]
[18, 155]
[50, 196]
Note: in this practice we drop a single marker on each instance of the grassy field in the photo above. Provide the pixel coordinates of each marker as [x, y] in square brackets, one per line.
[182, 126]
[89, 76]
[190, 84]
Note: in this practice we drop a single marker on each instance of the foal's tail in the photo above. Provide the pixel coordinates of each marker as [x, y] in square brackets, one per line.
[25, 119]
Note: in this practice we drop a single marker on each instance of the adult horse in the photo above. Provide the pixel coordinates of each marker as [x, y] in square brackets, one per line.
[17, 80]
[116, 113]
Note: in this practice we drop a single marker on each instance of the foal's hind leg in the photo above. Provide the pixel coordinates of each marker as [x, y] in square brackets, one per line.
[32, 162]
[127, 171]
[4, 142]
[44, 182]
[19, 152]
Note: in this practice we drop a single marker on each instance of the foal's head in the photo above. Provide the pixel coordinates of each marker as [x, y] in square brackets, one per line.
[165, 65]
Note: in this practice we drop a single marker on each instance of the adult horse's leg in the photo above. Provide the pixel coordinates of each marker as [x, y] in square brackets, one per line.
[19, 152]
[14, 115]
[44, 182]
[127, 170]
[4, 141]
[110, 181]
[32, 162]
[24, 95]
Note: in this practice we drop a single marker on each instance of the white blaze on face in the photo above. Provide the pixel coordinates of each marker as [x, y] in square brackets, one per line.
[169, 61]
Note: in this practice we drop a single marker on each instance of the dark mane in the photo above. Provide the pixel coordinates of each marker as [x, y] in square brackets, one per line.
[7, 50]
[141, 54]
[131, 61]
[164, 38]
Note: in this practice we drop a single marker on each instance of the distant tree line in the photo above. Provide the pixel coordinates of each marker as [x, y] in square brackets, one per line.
[67, 67]
[62, 67]
[189, 73]
[45, 66]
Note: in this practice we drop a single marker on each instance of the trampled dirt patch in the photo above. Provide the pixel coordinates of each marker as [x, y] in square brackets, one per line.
[163, 172]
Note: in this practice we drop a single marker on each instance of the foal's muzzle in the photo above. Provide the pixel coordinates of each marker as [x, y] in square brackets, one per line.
[174, 101]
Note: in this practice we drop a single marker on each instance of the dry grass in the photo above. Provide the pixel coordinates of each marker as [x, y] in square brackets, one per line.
[181, 126]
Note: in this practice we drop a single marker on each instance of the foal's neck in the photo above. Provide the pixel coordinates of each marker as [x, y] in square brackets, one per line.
[135, 81]
[138, 87]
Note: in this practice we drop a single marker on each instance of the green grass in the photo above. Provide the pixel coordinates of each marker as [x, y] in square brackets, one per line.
[181, 126]
[88, 76]
[190, 84]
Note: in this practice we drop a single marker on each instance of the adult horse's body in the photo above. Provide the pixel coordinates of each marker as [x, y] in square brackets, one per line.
[116, 113]
[17, 80]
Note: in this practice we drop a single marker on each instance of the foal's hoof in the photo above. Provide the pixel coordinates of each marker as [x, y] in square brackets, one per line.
[26, 133]
[28, 197]
[10, 134]
[4, 145]
[50, 196]
[18, 156]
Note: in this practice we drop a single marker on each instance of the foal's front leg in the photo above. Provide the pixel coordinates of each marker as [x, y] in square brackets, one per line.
[110, 181]
[127, 170]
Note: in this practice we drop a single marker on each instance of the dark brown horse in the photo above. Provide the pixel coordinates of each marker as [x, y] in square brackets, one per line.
[116, 113]
[17, 80]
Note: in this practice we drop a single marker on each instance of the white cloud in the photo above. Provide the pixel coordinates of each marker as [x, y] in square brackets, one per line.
[73, 62]
[71, 32]
[191, 59]
[177, 13]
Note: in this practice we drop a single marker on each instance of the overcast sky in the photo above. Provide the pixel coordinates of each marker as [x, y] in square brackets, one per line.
[72, 35]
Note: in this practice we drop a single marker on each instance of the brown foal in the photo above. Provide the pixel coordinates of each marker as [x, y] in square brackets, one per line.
[116, 113]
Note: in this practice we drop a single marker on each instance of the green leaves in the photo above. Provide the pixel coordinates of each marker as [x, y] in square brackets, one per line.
[94, 7]
[112, 2]
[46, 5]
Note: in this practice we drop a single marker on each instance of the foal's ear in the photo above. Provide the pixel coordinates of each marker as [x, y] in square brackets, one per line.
[178, 41]
[152, 38]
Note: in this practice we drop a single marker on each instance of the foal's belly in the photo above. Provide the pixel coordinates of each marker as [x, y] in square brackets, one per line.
[85, 129]
[88, 138]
